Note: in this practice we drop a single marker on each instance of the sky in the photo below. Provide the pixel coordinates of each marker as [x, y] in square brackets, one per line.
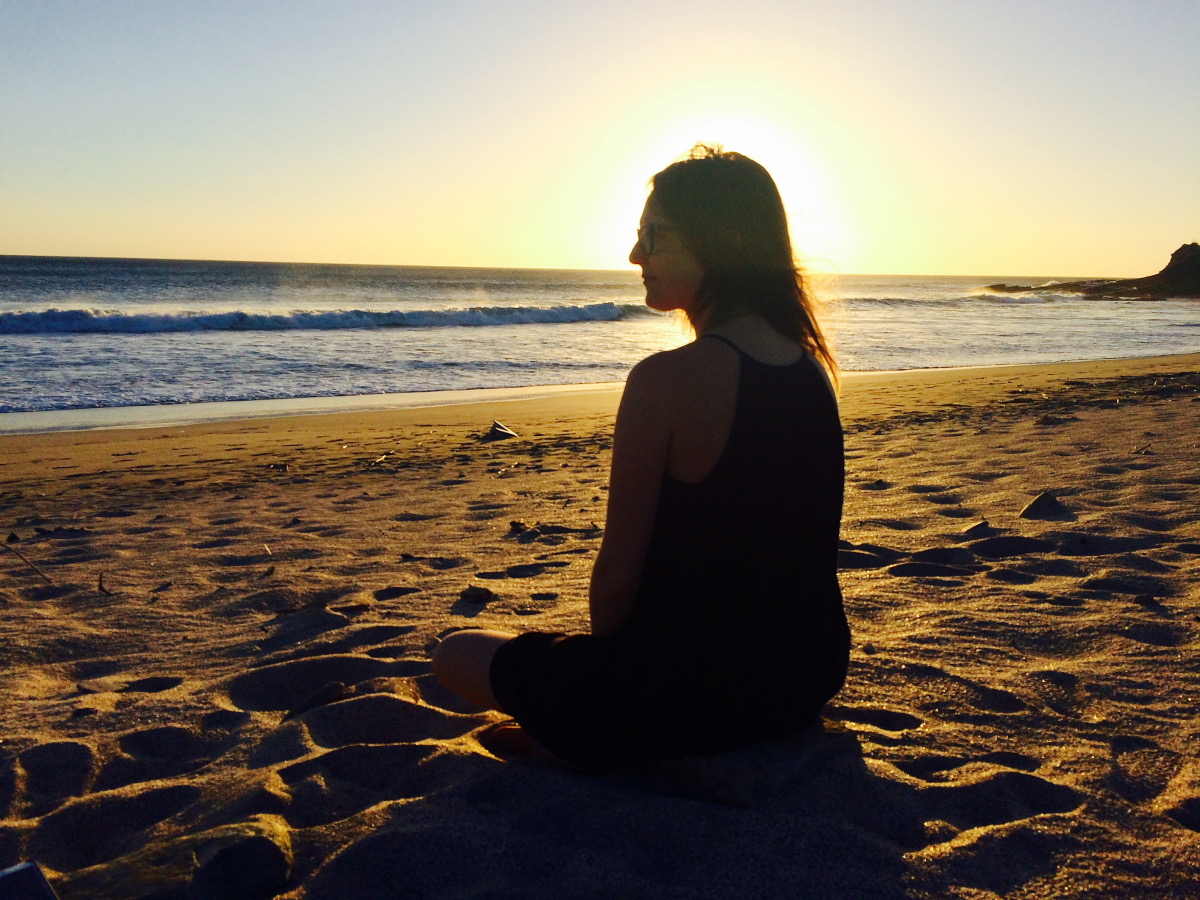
[1056, 137]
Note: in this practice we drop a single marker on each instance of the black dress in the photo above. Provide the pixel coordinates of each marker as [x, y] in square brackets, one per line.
[737, 633]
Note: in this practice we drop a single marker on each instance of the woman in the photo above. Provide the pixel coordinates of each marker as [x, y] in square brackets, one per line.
[716, 616]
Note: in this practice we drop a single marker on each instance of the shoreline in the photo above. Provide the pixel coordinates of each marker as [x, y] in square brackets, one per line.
[187, 414]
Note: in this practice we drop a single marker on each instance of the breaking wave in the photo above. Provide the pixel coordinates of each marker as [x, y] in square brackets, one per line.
[94, 321]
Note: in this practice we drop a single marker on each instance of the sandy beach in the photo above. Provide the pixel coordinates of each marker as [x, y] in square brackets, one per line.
[214, 647]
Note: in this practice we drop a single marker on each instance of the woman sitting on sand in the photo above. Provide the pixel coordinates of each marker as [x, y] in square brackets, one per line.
[716, 616]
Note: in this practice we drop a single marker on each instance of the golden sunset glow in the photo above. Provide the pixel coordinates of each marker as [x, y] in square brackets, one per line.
[917, 137]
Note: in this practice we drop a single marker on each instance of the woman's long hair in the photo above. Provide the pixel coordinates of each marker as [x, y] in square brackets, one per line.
[729, 214]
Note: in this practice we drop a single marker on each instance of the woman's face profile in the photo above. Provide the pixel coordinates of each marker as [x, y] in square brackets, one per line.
[670, 273]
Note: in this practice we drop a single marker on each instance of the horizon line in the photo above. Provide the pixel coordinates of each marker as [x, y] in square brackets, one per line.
[815, 273]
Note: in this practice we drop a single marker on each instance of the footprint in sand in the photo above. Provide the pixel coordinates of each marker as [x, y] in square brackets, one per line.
[152, 753]
[1008, 546]
[1077, 543]
[527, 570]
[1058, 690]
[281, 686]
[54, 772]
[1141, 768]
[1000, 799]
[154, 684]
[1119, 581]
[931, 767]
[1158, 634]
[351, 640]
[1006, 575]
[947, 556]
[959, 692]
[893, 524]
[877, 485]
[876, 717]
[374, 743]
[102, 826]
[382, 719]
[929, 570]
[392, 592]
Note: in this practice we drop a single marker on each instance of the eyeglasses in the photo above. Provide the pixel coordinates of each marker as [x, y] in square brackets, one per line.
[646, 235]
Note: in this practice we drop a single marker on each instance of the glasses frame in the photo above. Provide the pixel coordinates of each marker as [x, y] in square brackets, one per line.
[646, 235]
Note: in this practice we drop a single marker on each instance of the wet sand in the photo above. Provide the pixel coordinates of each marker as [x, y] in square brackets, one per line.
[179, 605]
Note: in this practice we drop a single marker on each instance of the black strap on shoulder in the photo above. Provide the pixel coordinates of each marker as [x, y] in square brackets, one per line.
[724, 340]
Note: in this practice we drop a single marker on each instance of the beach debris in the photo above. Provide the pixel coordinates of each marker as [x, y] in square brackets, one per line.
[529, 535]
[100, 586]
[441, 563]
[978, 529]
[477, 593]
[498, 432]
[267, 573]
[327, 693]
[26, 882]
[28, 562]
[165, 586]
[60, 531]
[1044, 503]
[877, 485]
[551, 534]
[12, 538]
[102, 685]
[869, 649]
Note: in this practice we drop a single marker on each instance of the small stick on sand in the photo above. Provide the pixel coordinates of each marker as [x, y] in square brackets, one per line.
[28, 562]
[101, 588]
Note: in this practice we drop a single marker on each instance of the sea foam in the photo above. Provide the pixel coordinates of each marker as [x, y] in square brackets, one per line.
[99, 321]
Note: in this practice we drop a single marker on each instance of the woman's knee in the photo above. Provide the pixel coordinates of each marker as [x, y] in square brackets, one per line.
[462, 663]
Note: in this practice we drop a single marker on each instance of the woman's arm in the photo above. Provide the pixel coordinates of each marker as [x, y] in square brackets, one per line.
[641, 441]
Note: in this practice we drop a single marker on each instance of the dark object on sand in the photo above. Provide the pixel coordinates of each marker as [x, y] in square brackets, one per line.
[979, 529]
[477, 593]
[27, 561]
[1043, 504]
[25, 882]
[498, 432]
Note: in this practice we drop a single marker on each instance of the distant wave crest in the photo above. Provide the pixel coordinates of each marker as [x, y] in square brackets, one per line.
[90, 321]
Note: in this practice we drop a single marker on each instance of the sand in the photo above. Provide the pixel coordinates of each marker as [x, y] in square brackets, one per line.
[1020, 718]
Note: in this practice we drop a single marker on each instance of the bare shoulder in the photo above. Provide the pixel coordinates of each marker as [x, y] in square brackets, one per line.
[684, 369]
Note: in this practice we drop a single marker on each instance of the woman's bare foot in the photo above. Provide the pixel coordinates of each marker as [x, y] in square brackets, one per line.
[510, 740]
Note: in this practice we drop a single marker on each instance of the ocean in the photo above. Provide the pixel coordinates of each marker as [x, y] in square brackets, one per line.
[94, 334]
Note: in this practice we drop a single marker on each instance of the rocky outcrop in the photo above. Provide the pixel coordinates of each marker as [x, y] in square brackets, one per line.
[1180, 278]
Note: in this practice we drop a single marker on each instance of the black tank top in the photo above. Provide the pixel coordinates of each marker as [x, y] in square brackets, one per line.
[740, 581]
